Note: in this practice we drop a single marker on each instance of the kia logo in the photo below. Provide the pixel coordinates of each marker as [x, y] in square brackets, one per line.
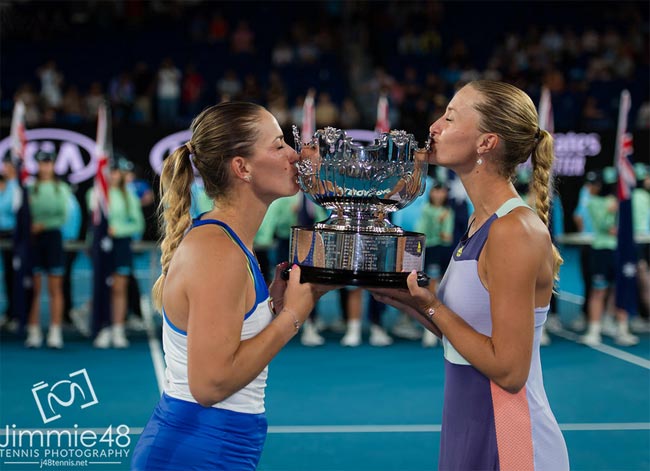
[75, 153]
[166, 146]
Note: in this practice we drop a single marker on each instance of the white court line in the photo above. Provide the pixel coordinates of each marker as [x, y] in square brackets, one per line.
[322, 429]
[154, 343]
[607, 350]
[571, 298]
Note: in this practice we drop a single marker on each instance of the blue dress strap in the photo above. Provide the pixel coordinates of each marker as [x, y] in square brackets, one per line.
[261, 290]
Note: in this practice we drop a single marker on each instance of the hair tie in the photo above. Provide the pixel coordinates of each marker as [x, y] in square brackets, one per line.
[538, 134]
[188, 144]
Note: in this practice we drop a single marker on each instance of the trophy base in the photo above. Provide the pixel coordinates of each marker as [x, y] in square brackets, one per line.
[325, 276]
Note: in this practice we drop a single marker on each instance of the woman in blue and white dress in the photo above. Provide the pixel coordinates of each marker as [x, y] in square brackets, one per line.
[221, 328]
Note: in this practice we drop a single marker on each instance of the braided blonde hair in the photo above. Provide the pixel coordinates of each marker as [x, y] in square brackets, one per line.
[510, 113]
[219, 133]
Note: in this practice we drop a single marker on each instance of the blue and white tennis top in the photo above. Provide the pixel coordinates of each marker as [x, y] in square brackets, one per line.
[249, 399]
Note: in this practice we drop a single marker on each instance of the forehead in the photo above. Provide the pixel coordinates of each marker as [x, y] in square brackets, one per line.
[465, 99]
[269, 127]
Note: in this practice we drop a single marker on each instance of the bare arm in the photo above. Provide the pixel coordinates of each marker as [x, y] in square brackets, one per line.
[219, 362]
[511, 262]
[511, 259]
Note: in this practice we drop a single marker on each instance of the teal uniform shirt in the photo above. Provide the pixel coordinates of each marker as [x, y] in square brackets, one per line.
[641, 211]
[603, 220]
[49, 203]
[437, 224]
[125, 217]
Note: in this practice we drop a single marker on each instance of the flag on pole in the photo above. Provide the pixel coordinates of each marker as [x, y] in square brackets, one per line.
[22, 258]
[308, 117]
[102, 243]
[626, 253]
[545, 113]
[383, 123]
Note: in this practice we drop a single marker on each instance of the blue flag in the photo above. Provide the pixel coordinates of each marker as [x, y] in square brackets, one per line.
[626, 252]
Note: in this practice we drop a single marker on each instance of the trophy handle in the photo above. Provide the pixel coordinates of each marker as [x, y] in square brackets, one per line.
[297, 140]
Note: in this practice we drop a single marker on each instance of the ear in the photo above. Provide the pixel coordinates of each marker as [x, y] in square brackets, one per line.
[240, 168]
[487, 142]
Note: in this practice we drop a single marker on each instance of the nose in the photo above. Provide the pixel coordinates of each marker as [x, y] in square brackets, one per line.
[293, 156]
[434, 128]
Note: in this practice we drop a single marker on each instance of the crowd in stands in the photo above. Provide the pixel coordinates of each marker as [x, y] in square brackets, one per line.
[161, 62]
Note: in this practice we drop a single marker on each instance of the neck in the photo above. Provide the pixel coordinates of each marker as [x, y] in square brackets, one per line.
[487, 191]
[243, 217]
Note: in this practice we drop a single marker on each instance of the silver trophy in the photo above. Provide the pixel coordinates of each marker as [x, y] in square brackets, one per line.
[359, 184]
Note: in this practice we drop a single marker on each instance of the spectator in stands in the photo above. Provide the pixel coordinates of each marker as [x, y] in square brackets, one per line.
[243, 39]
[327, 113]
[169, 92]
[92, 101]
[193, 89]
[229, 85]
[51, 83]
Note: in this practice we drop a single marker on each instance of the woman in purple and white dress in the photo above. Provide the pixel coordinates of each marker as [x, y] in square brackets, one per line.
[494, 297]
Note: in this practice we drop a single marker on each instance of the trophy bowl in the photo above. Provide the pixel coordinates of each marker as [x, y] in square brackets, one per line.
[360, 185]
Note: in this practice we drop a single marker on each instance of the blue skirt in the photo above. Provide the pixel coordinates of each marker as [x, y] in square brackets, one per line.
[184, 435]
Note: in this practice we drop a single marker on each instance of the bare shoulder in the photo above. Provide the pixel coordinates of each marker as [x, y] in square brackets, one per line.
[520, 228]
[206, 257]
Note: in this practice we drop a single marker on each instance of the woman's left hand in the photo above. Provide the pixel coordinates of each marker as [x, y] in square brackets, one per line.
[278, 287]
[416, 297]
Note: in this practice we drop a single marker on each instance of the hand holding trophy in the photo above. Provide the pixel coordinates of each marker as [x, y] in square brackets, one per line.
[358, 245]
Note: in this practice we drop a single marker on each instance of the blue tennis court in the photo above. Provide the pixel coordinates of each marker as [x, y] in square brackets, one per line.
[329, 408]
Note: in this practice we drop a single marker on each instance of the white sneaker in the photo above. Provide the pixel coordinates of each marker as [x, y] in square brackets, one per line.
[54, 337]
[34, 336]
[338, 326]
[591, 338]
[352, 337]
[639, 325]
[544, 340]
[404, 328]
[379, 337]
[10, 325]
[310, 336]
[136, 323]
[553, 324]
[80, 320]
[626, 339]
[609, 327]
[103, 339]
[119, 337]
[429, 339]
[579, 324]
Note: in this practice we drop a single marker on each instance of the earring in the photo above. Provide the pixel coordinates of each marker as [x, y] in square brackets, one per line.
[479, 161]
[248, 178]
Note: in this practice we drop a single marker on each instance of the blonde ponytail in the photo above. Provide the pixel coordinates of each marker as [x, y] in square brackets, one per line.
[174, 211]
[542, 186]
